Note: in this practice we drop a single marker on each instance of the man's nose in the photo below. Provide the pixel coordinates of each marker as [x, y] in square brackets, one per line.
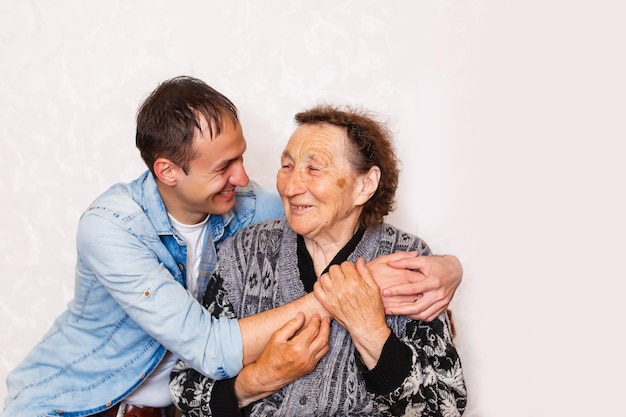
[239, 175]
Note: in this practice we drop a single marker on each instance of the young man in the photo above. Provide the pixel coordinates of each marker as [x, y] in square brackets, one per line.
[145, 251]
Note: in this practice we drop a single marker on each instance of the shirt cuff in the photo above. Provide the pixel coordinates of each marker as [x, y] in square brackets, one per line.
[392, 368]
[223, 400]
[232, 348]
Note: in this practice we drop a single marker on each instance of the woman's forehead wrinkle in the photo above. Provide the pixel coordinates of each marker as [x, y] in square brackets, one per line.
[322, 157]
[317, 146]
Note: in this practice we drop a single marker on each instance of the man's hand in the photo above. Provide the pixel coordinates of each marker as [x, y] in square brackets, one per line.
[288, 356]
[420, 287]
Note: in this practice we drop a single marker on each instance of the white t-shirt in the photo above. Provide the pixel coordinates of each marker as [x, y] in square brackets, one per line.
[193, 235]
[155, 391]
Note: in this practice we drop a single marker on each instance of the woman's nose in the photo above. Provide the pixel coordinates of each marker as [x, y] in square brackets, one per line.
[294, 184]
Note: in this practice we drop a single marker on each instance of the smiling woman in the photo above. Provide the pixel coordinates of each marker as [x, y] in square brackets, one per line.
[337, 182]
[322, 195]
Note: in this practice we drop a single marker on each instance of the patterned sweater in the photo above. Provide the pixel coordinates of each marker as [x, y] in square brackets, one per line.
[258, 270]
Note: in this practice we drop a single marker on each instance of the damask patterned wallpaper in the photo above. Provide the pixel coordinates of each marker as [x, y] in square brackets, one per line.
[508, 119]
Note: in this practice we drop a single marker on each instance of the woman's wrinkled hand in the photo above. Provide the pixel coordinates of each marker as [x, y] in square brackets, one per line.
[292, 352]
[352, 297]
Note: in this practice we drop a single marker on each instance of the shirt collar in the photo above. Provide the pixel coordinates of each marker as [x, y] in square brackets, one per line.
[153, 206]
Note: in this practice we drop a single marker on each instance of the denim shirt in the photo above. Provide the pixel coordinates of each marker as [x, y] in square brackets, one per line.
[130, 305]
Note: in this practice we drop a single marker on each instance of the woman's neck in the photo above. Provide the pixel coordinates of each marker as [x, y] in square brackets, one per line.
[323, 251]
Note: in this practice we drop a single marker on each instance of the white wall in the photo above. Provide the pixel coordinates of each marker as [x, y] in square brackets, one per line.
[509, 118]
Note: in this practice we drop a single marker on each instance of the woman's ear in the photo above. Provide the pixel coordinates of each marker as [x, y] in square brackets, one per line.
[369, 185]
[165, 171]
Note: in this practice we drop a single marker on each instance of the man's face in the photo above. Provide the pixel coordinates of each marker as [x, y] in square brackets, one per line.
[209, 185]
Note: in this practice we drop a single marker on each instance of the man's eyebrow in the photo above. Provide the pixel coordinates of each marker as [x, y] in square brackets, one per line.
[221, 164]
[225, 162]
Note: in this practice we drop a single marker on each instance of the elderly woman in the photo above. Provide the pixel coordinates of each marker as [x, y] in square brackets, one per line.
[337, 181]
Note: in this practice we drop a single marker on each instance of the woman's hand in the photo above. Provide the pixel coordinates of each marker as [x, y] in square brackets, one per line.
[353, 298]
[420, 287]
[291, 353]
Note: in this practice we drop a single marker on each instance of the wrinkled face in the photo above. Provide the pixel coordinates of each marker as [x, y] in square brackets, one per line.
[317, 184]
[209, 185]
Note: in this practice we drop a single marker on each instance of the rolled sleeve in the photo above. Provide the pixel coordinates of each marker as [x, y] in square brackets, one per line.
[148, 293]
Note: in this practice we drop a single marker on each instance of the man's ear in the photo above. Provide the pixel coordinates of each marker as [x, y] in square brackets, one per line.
[369, 185]
[165, 171]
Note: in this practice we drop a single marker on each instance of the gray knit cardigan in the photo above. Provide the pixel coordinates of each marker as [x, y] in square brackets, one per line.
[258, 270]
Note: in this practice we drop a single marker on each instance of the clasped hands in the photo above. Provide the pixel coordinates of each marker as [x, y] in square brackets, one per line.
[358, 297]
[420, 287]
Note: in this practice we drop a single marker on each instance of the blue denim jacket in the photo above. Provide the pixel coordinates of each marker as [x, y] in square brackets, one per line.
[130, 305]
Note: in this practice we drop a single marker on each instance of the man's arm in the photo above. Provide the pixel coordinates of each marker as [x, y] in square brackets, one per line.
[257, 330]
[292, 352]
[146, 291]
[420, 287]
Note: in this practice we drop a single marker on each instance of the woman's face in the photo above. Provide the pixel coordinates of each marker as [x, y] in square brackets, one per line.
[321, 193]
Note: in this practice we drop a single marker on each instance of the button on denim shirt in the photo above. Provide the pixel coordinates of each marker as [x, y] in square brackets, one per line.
[130, 306]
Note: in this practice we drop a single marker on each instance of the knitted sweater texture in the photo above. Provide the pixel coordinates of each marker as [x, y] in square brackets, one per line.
[258, 270]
